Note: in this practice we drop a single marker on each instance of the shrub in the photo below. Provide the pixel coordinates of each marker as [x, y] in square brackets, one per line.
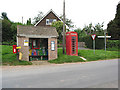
[9, 43]
[113, 43]
[99, 43]
[81, 39]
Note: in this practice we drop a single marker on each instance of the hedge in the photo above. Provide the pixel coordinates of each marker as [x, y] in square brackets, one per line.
[113, 43]
[99, 43]
[9, 43]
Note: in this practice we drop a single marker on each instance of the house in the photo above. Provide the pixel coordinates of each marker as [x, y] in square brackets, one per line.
[48, 18]
[37, 43]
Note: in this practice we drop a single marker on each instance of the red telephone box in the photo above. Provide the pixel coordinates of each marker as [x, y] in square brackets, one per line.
[14, 49]
[72, 43]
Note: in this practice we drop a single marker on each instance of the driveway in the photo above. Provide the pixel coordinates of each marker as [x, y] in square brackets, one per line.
[95, 74]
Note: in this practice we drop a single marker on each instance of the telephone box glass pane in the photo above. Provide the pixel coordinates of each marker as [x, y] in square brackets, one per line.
[73, 45]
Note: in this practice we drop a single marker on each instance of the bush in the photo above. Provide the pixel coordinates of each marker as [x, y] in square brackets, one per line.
[113, 43]
[81, 39]
[9, 43]
[99, 43]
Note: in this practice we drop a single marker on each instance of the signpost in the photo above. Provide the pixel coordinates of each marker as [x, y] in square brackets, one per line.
[105, 40]
[93, 37]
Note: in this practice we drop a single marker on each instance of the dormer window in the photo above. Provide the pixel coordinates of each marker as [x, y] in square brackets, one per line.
[49, 21]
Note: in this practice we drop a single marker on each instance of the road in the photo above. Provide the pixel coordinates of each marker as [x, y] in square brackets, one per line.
[95, 74]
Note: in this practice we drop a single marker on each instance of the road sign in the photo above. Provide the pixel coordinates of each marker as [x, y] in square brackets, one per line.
[93, 36]
[104, 36]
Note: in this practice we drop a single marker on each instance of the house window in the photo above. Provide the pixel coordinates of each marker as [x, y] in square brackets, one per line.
[53, 45]
[49, 21]
[35, 44]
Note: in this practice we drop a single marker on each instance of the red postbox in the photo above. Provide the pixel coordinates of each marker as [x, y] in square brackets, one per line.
[14, 49]
[72, 43]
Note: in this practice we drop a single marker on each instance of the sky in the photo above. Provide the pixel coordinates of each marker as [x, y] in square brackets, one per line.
[81, 12]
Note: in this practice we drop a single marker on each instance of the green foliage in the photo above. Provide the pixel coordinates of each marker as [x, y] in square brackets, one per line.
[113, 44]
[99, 43]
[8, 58]
[68, 22]
[81, 34]
[88, 30]
[66, 58]
[9, 43]
[88, 54]
[38, 17]
[97, 29]
[99, 54]
[9, 29]
[113, 26]
[59, 27]
[29, 22]
[4, 15]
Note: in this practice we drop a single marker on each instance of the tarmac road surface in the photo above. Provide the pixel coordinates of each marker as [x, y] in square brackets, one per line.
[95, 74]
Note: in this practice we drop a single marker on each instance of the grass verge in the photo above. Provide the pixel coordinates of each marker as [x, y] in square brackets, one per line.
[99, 54]
[88, 54]
[65, 58]
[8, 58]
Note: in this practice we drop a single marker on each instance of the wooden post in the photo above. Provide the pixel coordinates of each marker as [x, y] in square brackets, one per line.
[64, 27]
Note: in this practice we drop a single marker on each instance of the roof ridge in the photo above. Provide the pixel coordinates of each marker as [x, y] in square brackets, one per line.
[46, 15]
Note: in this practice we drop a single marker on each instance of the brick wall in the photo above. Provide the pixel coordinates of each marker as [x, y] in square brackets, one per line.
[52, 54]
[24, 49]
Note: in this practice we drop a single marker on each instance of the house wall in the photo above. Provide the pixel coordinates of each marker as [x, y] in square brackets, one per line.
[52, 54]
[51, 15]
[24, 49]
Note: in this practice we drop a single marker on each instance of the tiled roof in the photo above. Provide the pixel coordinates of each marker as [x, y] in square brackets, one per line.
[41, 31]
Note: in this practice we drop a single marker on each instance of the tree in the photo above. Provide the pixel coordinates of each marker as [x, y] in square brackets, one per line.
[81, 33]
[4, 16]
[6, 30]
[113, 26]
[29, 22]
[9, 29]
[68, 22]
[59, 27]
[88, 29]
[38, 17]
[97, 29]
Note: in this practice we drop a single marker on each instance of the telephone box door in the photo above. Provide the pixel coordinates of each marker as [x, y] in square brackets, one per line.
[73, 45]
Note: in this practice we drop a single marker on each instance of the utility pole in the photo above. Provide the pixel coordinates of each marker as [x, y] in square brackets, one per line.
[64, 27]
[22, 20]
